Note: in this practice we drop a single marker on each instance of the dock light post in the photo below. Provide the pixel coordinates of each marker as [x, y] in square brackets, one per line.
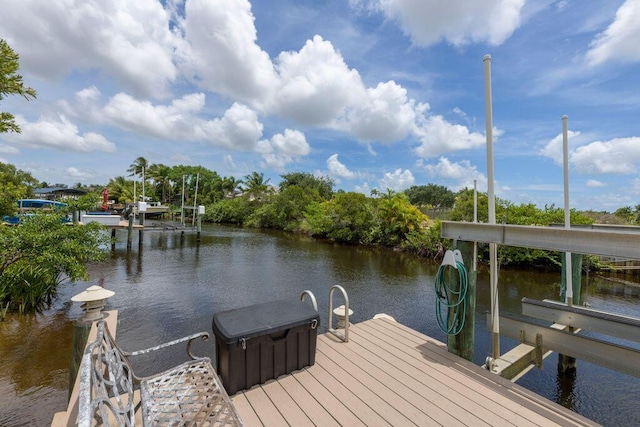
[92, 300]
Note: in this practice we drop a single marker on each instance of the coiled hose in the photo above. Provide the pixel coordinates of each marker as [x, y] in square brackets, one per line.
[448, 299]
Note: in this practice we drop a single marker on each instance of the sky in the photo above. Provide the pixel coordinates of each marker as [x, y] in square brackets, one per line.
[375, 94]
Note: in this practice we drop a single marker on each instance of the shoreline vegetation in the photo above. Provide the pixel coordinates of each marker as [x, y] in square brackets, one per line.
[42, 252]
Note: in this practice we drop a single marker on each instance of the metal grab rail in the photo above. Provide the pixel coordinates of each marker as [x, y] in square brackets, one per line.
[311, 296]
[344, 337]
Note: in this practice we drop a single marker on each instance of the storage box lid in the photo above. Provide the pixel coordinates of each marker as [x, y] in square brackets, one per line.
[262, 319]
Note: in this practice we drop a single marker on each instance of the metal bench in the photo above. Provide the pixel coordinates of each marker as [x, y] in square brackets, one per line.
[189, 394]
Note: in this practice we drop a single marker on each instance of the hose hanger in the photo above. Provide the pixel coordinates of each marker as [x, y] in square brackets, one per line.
[451, 294]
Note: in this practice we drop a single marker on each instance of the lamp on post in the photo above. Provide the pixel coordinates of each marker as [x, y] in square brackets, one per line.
[93, 301]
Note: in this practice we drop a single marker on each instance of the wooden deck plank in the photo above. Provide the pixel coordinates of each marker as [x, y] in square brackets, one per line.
[521, 411]
[286, 404]
[346, 393]
[248, 415]
[318, 414]
[382, 384]
[339, 411]
[437, 389]
[375, 399]
[446, 385]
[389, 374]
[509, 394]
[268, 413]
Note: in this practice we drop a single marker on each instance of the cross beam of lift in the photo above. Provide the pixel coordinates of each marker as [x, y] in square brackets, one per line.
[609, 242]
[600, 352]
[597, 241]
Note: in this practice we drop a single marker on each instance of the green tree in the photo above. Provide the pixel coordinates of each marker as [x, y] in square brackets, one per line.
[120, 189]
[38, 255]
[397, 218]
[437, 196]
[255, 186]
[231, 211]
[230, 185]
[161, 176]
[138, 166]
[322, 184]
[14, 184]
[347, 217]
[284, 210]
[11, 84]
[9, 193]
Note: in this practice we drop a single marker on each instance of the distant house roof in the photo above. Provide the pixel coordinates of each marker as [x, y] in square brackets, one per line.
[50, 192]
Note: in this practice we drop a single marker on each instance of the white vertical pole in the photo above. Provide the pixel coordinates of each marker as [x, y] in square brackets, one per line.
[182, 208]
[143, 185]
[475, 219]
[567, 217]
[195, 200]
[493, 248]
[135, 200]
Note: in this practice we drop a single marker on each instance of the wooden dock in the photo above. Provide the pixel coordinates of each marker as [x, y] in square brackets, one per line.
[390, 375]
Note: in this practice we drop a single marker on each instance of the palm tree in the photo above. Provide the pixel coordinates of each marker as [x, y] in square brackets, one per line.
[255, 185]
[159, 173]
[230, 185]
[138, 166]
[120, 189]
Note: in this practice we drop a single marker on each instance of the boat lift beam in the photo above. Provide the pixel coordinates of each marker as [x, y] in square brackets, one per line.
[582, 241]
[615, 325]
[613, 356]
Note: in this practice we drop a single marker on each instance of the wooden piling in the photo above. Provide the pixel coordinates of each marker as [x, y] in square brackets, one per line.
[130, 232]
[78, 343]
[141, 231]
[567, 364]
[463, 343]
[199, 227]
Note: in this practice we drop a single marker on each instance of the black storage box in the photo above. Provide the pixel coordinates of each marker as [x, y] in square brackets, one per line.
[263, 341]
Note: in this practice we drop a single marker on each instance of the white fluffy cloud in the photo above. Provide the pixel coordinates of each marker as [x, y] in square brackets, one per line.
[129, 40]
[176, 120]
[460, 23]
[60, 134]
[459, 175]
[398, 180]
[77, 173]
[283, 149]
[220, 50]
[237, 129]
[616, 156]
[554, 149]
[619, 42]
[595, 183]
[316, 86]
[438, 136]
[385, 114]
[8, 149]
[337, 169]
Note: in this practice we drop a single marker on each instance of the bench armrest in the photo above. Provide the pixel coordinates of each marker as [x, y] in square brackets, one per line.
[189, 339]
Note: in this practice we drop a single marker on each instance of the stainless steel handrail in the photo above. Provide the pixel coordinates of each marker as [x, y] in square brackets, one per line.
[344, 337]
[311, 296]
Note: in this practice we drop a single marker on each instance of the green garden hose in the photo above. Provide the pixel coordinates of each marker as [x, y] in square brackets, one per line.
[448, 299]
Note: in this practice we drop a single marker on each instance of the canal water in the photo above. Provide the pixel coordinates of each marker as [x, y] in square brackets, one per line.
[172, 285]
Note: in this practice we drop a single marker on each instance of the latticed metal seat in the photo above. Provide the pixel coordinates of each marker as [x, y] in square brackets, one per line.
[189, 394]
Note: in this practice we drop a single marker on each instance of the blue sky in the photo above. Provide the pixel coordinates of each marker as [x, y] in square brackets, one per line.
[373, 93]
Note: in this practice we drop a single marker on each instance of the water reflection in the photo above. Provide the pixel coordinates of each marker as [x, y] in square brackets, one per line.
[171, 286]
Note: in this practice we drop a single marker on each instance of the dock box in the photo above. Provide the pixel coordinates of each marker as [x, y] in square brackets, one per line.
[263, 341]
